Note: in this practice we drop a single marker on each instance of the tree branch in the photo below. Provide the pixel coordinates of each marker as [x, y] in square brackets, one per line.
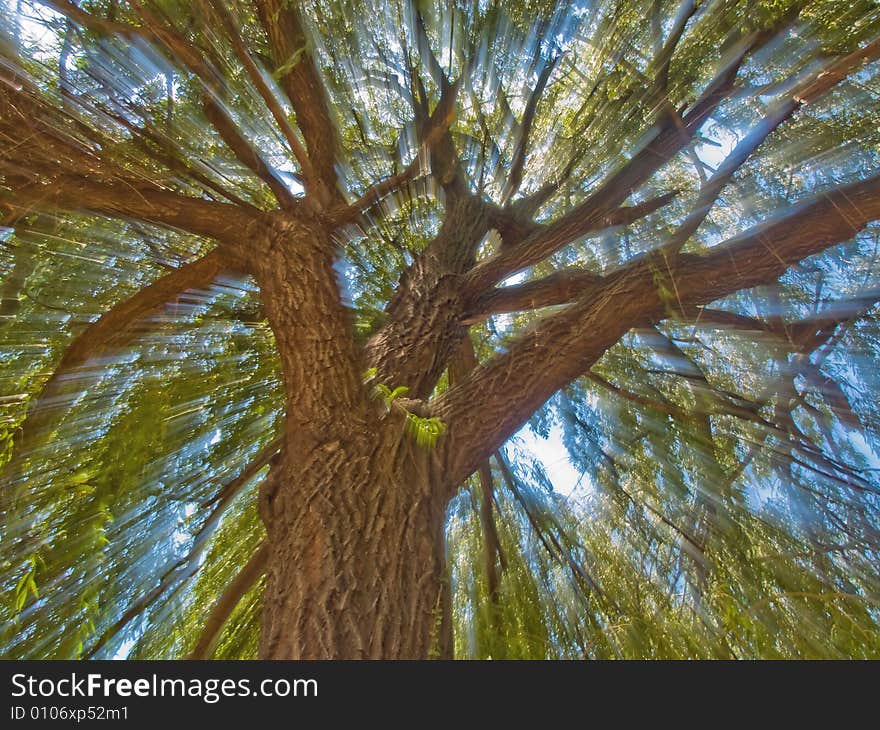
[216, 114]
[430, 134]
[192, 59]
[186, 566]
[48, 165]
[135, 200]
[638, 398]
[244, 152]
[492, 544]
[763, 253]
[719, 318]
[671, 136]
[229, 599]
[460, 366]
[93, 23]
[114, 328]
[561, 287]
[302, 83]
[663, 59]
[514, 230]
[488, 407]
[781, 111]
[514, 178]
[265, 92]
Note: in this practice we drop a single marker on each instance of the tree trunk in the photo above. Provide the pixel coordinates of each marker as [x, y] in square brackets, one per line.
[425, 315]
[353, 515]
[355, 570]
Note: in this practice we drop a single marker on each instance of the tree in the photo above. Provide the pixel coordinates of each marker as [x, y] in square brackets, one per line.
[344, 251]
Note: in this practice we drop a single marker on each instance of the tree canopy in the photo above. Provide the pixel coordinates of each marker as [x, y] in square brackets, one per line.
[643, 230]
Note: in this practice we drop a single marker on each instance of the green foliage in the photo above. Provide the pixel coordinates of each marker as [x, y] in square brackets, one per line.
[388, 396]
[422, 429]
[729, 497]
[425, 431]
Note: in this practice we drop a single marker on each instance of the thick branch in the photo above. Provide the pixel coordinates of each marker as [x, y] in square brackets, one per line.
[561, 287]
[672, 135]
[229, 599]
[263, 89]
[487, 408]
[514, 229]
[424, 316]
[244, 152]
[762, 254]
[302, 83]
[115, 327]
[514, 178]
[49, 165]
[186, 566]
[136, 201]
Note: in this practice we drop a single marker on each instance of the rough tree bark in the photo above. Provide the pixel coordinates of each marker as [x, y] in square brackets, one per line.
[354, 522]
[354, 508]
